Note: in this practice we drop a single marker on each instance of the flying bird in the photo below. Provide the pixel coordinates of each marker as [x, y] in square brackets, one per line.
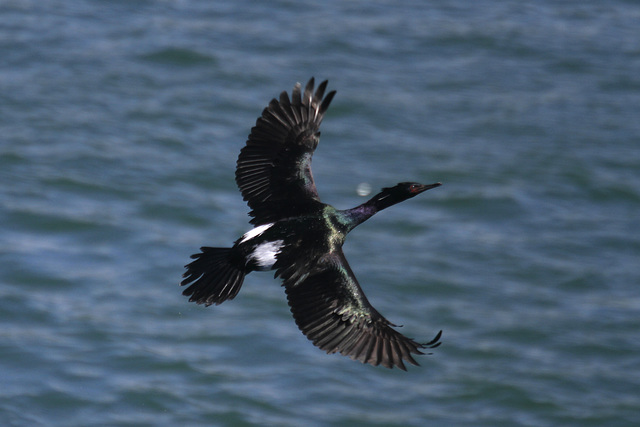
[301, 238]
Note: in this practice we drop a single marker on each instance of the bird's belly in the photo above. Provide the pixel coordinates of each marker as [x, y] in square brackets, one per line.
[264, 254]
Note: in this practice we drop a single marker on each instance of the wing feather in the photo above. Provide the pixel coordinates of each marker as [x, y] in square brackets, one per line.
[332, 311]
[274, 168]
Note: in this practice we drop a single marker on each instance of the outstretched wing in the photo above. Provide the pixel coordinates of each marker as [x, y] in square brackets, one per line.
[274, 168]
[332, 311]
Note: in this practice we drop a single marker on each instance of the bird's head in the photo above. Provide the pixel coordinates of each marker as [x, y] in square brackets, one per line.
[407, 190]
[400, 192]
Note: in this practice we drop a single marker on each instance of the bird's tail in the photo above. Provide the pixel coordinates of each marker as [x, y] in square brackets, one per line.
[212, 277]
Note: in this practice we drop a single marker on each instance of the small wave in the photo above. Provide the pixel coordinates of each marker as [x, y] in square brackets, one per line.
[178, 56]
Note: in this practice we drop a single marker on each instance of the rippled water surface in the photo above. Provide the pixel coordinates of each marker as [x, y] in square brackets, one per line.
[120, 125]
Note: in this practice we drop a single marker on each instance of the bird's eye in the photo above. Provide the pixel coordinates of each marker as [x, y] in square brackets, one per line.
[415, 188]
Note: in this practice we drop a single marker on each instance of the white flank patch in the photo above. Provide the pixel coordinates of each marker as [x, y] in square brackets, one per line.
[265, 254]
[254, 232]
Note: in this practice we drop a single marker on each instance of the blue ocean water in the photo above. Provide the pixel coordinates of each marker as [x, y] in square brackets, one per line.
[120, 125]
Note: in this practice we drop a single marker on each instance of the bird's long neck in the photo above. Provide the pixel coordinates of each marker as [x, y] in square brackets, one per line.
[359, 214]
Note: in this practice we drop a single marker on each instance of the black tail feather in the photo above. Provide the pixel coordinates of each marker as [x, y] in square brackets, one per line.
[213, 279]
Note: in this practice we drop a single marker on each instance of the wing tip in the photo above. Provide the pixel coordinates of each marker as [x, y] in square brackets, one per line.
[435, 342]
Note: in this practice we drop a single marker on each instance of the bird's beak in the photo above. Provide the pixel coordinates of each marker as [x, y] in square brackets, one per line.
[426, 187]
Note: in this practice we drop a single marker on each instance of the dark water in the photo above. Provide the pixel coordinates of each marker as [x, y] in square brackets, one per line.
[120, 124]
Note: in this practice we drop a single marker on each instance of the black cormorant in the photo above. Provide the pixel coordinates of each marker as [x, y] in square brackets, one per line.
[301, 238]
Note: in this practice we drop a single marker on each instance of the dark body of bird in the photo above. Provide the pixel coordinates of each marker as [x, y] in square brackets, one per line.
[301, 238]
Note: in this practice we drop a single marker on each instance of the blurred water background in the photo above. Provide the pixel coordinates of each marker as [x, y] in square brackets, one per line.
[120, 125]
